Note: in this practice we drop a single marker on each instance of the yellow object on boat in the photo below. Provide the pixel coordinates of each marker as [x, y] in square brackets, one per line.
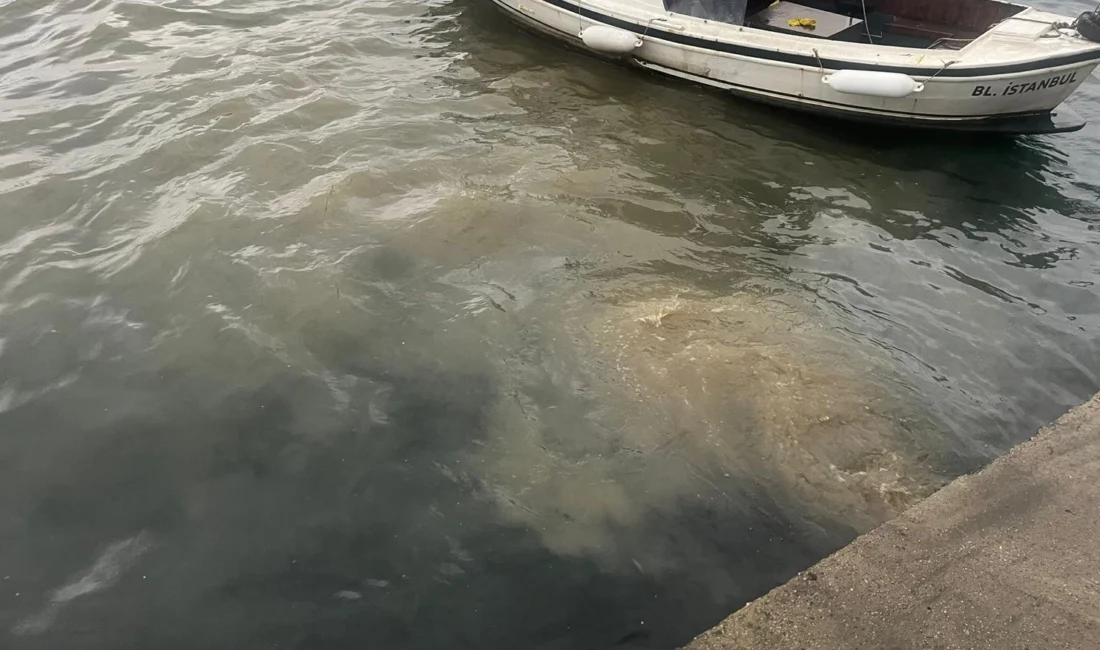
[808, 23]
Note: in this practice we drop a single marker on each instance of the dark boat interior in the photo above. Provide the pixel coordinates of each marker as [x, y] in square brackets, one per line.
[926, 24]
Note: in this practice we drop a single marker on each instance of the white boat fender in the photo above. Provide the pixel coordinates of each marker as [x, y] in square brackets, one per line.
[873, 83]
[610, 39]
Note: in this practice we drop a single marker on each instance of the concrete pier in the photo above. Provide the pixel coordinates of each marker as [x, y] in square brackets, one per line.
[1005, 559]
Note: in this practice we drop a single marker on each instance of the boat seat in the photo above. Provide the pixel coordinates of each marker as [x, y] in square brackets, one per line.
[828, 24]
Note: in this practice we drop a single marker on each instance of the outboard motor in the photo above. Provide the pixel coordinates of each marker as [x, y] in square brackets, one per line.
[1088, 25]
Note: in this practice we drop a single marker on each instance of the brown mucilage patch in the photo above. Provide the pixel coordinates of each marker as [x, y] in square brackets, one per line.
[764, 390]
[639, 409]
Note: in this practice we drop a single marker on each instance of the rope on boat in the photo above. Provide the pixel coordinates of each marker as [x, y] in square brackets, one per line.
[946, 65]
[866, 25]
[820, 65]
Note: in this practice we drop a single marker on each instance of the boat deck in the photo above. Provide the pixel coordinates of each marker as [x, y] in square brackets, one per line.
[885, 28]
[917, 24]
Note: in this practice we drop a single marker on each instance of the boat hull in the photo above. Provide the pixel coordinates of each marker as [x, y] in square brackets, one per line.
[1003, 99]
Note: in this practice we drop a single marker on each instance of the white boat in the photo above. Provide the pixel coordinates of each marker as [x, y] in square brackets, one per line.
[978, 65]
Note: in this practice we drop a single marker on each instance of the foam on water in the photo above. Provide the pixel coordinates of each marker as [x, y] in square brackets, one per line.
[116, 558]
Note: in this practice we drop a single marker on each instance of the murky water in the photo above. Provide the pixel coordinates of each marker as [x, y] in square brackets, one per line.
[365, 324]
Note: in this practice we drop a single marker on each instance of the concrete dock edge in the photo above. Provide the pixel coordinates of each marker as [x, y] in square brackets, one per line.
[1004, 559]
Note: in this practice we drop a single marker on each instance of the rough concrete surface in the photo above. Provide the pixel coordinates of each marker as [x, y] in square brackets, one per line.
[1005, 559]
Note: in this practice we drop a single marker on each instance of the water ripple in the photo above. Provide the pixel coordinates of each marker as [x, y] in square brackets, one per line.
[325, 297]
